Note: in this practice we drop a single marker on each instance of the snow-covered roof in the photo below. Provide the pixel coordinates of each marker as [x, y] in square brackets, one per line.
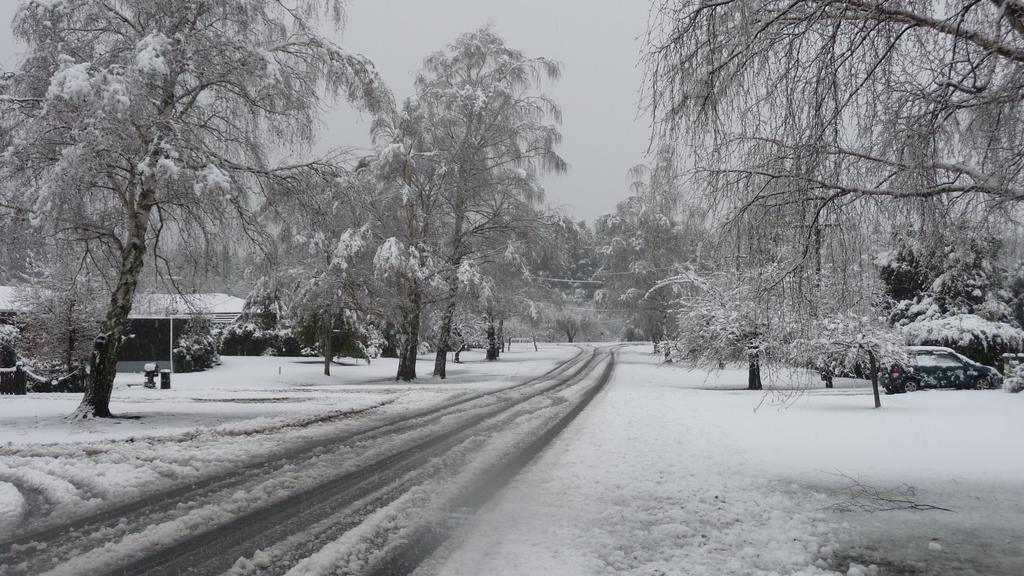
[165, 305]
[222, 307]
[8, 299]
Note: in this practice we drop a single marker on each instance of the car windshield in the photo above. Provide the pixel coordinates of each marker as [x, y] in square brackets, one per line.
[929, 359]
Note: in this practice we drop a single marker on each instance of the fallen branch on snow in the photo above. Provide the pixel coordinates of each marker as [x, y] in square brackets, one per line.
[867, 498]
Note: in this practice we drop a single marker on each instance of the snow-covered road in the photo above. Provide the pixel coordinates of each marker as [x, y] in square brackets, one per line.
[667, 472]
[673, 472]
[325, 500]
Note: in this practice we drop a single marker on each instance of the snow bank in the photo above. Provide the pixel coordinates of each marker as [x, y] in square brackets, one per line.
[12, 507]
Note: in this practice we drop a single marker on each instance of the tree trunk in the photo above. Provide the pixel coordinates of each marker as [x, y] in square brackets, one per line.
[454, 263]
[535, 348]
[874, 378]
[501, 338]
[492, 342]
[444, 338]
[754, 369]
[409, 337]
[103, 360]
[328, 352]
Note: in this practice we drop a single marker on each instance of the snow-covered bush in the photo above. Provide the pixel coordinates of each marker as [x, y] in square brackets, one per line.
[196, 348]
[248, 339]
[9, 336]
[1014, 382]
[973, 336]
[195, 353]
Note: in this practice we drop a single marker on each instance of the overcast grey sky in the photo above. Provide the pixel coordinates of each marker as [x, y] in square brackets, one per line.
[598, 43]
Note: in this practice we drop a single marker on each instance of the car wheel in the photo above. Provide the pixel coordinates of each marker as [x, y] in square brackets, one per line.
[983, 383]
[911, 386]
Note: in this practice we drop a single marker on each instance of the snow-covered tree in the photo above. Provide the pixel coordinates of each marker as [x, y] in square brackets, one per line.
[721, 319]
[327, 263]
[950, 273]
[849, 344]
[651, 236]
[128, 122]
[948, 289]
[571, 323]
[826, 101]
[404, 213]
[484, 134]
[63, 310]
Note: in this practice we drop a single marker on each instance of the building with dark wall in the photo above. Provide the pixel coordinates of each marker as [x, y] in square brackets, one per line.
[156, 323]
[159, 320]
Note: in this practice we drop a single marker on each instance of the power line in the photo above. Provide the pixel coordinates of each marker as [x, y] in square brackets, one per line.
[568, 280]
[634, 272]
[631, 273]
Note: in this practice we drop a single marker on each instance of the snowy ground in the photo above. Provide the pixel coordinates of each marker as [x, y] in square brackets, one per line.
[668, 472]
[672, 472]
[247, 410]
[256, 392]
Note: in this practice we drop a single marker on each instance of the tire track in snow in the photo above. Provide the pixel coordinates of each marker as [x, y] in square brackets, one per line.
[168, 504]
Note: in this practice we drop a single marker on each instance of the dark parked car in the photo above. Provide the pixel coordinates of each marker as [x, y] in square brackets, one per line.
[935, 367]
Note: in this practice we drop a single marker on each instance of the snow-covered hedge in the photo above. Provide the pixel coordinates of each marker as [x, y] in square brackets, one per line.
[979, 339]
[248, 339]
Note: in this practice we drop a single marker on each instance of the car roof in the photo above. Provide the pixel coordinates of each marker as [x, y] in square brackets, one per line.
[933, 349]
[930, 349]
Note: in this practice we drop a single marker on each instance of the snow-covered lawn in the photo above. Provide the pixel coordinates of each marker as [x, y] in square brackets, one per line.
[247, 410]
[673, 472]
[258, 392]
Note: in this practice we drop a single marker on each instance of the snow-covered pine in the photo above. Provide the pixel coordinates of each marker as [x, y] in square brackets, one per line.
[129, 121]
